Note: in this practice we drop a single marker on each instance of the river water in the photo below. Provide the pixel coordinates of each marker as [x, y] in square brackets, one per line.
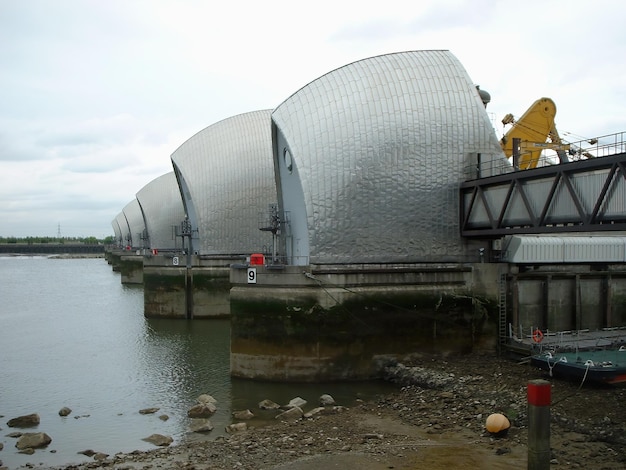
[72, 335]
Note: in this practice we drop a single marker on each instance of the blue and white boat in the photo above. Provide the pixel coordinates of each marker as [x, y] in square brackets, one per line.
[607, 366]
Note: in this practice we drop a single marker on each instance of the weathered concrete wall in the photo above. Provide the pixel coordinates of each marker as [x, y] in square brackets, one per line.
[164, 292]
[561, 294]
[567, 297]
[172, 290]
[531, 304]
[114, 257]
[591, 297]
[330, 323]
[131, 269]
[616, 310]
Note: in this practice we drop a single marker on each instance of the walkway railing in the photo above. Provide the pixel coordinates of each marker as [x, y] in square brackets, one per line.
[597, 147]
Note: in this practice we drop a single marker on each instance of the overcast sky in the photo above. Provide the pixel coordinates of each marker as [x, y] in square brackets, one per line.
[96, 95]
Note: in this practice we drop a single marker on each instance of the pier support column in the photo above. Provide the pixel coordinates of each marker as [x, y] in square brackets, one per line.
[539, 400]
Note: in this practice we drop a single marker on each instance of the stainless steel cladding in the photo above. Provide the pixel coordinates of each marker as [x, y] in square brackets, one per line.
[124, 229]
[163, 211]
[136, 225]
[369, 158]
[532, 249]
[226, 176]
[117, 230]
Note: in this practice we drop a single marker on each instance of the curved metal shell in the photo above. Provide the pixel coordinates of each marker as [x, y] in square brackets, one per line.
[117, 230]
[369, 158]
[226, 177]
[163, 210]
[136, 225]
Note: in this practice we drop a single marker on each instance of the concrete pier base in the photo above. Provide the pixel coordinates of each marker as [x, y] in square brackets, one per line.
[174, 290]
[131, 268]
[306, 324]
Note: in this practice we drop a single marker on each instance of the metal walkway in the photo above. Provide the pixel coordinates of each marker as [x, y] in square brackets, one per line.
[568, 341]
[587, 195]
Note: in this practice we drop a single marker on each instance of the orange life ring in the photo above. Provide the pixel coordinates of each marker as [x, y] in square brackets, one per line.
[537, 336]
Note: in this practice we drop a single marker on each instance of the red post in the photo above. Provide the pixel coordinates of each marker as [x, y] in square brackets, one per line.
[539, 400]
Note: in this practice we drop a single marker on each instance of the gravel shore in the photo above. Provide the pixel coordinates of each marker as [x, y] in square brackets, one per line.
[435, 420]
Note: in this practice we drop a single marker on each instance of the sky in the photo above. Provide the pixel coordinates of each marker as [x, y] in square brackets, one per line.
[96, 95]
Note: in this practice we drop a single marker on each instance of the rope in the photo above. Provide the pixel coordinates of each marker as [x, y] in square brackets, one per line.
[319, 282]
[388, 304]
[588, 364]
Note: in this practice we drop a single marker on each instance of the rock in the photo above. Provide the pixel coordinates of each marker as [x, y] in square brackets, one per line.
[99, 456]
[27, 451]
[296, 402]
[26, 421]
[268, 405]
[65, 411]
[205, 398]
[15, 434]
[87, 452]
[159, 440]
[291, 414]
[425, 378]
[34, 440]
[1, 447]
[326, 400]
[200, 425]
[148, 411]
[244, 414]
[202, 410]
[164, 417]
[236, 427]
[314, 411]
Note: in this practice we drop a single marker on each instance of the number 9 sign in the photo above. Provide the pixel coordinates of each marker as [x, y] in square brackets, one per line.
[251, 275]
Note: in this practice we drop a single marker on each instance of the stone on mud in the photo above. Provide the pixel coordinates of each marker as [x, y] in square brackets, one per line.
[202, 410]
[33, 440]
[243, 414]
[291, 414]
[25, 421]
[159, 440]
[200, 425]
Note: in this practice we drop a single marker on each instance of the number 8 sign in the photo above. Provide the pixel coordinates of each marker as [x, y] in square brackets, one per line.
[251, 275]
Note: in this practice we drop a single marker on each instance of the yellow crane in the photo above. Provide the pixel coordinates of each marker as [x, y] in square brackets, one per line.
[533, 129]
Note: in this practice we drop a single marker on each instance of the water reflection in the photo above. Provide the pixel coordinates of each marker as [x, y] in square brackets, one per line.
[184, 359]
[72, 335]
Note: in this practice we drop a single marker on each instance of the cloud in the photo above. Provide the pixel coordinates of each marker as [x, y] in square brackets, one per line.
[97, 95]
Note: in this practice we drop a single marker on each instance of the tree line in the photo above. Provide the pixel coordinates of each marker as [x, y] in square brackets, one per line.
[56, 240]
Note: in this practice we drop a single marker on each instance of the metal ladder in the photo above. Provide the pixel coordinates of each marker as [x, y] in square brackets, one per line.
[502, 323]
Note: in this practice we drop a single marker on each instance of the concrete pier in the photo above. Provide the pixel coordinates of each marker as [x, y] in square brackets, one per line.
[131, 268]
[323, 323]
[174, 288]
[565, 298]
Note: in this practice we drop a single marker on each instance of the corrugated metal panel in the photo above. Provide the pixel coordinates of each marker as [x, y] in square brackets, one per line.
[136, 224]
[117, 231]
[124, 229]
[229, 172]
[162, 208]
[594, 249]
[523, 249]
[377, 150]
[534, 250]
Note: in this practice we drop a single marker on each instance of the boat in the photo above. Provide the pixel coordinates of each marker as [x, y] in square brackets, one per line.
[605, 366]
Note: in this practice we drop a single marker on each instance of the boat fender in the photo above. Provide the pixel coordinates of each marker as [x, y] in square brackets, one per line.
[537, 336]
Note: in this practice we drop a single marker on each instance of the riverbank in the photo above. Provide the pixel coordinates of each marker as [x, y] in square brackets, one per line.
[436, 423]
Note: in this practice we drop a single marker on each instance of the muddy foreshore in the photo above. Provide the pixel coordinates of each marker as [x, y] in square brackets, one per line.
[435, 420]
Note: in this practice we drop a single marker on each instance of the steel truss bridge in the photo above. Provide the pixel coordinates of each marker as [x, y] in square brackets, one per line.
[587, 195]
